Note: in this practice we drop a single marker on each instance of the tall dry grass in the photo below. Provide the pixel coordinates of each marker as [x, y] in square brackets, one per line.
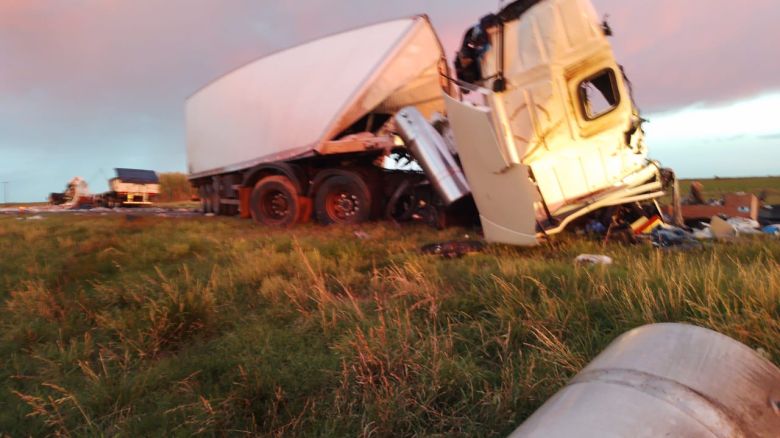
[213, 326]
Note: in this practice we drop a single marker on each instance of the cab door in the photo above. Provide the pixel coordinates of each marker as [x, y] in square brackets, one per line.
[504, 194]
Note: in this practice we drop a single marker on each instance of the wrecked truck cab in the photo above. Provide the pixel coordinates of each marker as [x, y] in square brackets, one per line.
[554, 105]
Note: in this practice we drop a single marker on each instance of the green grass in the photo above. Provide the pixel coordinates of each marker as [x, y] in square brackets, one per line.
[127, 326]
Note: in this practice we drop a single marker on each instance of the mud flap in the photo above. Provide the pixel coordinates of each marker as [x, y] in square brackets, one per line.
[305, 210]
[244, 197]
[502, 190]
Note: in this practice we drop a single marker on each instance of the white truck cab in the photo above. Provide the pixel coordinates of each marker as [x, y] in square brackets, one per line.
[554, 133]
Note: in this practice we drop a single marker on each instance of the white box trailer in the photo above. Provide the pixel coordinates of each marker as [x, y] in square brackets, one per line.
[541, 122]
[294, 103]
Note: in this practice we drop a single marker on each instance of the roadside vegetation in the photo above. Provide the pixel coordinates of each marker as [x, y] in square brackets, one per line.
[175, 187]
[125, 325]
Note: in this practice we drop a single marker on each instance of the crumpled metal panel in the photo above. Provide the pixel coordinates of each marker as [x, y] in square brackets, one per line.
[430, 150]
[662, 380]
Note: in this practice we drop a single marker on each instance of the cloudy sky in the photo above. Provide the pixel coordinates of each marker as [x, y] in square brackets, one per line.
[89, 85]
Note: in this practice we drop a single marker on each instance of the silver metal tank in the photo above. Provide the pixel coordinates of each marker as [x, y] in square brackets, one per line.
[431, 151]
[666, 380]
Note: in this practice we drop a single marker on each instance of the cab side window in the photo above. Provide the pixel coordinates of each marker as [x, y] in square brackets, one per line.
[599, 94]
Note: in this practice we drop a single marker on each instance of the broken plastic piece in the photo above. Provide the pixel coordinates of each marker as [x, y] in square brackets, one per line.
[722, 230]
[646, 225]
[703, 233]
[593, 259]
[745, 226]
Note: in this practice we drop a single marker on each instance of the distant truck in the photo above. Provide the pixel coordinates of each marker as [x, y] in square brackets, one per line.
[130, 187]
[76, 192]
[538, 131]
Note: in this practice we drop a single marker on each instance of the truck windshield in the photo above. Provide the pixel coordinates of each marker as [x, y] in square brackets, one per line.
[599, 94]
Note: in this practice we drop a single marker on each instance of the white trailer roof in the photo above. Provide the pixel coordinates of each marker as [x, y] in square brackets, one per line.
[289, 103]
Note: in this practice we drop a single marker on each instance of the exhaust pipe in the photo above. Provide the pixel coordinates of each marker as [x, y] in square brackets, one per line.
[431, 151]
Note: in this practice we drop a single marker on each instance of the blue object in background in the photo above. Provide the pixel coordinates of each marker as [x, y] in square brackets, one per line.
[772, 229]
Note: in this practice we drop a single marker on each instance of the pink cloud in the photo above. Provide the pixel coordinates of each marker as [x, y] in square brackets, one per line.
[679, 53]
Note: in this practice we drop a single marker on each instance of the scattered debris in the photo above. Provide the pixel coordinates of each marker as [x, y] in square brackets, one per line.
[696, 196]
[721, 229]
[37, 217]
[668, 237]
[646, 225]
[362, 235]
[744, 226]
[76, 193]
[593, 259]
[772, 229]
[453, 249]
[695, 207]
[769, 214]
[703, 233]
[595, 227]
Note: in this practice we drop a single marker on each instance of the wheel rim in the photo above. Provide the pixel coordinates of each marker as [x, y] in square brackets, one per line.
[275, 205]
[342, 205]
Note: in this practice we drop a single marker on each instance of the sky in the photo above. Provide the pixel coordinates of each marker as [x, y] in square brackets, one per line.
[90, 85]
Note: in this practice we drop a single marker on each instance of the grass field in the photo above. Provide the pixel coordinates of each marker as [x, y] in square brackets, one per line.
[138, 326]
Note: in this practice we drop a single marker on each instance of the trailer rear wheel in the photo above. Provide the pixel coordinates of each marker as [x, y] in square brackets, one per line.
[343, 199]
[275, 202]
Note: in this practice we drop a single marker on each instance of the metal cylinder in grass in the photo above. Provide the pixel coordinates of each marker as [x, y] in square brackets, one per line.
[666, 380]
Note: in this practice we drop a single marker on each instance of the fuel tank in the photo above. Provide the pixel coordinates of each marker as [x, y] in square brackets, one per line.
[663, 380]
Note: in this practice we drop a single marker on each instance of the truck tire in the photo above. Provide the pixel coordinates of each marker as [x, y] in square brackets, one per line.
[274, 202]
[343, 199]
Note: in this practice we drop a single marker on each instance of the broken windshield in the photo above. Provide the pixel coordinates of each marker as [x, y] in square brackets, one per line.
[598, 94]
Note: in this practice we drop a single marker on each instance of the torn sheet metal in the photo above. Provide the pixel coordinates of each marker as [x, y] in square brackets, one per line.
[430, 150]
